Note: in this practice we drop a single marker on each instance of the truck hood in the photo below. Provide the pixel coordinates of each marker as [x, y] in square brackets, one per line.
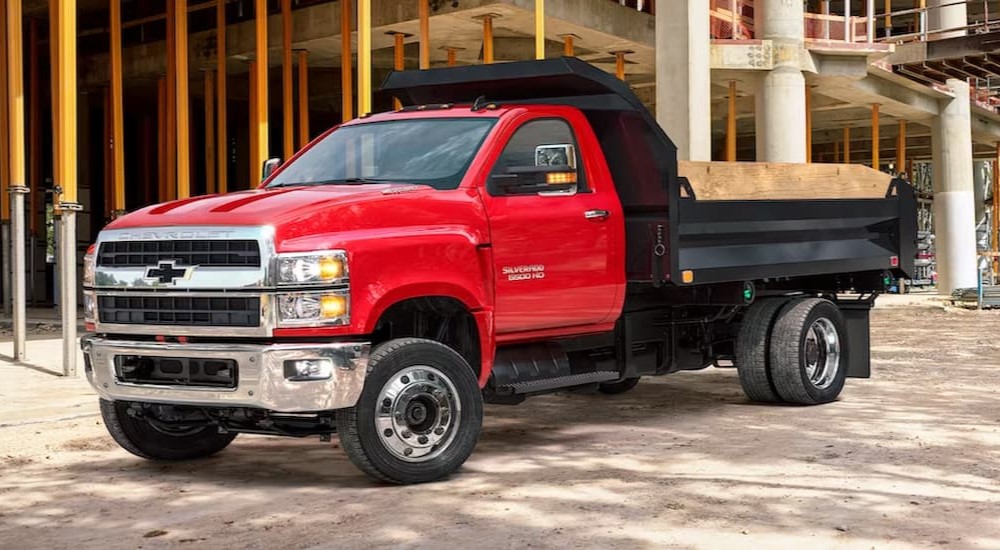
[305, 211]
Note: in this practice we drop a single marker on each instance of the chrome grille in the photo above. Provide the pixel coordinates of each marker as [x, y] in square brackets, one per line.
[194, 311]
[202, 253]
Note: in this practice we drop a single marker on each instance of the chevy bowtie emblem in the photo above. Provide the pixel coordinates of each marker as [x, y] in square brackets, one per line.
[168, 272]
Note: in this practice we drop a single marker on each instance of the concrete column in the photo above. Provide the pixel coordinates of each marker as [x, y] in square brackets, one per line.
[954, 197]
[951, 16]
[683, 77]
[781, 94]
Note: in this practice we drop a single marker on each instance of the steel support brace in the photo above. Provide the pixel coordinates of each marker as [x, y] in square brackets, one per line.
[18, 266]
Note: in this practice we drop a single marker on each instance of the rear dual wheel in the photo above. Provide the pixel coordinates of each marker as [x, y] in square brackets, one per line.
[792, 351]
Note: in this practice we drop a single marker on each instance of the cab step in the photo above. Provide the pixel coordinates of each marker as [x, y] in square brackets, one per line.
[548, 384]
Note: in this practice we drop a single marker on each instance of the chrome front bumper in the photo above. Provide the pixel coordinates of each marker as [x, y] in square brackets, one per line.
[261, 381]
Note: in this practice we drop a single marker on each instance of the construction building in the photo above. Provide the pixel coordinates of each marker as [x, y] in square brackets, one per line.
[111, 105]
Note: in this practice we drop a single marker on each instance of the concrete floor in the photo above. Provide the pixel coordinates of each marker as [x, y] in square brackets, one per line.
[906, 459]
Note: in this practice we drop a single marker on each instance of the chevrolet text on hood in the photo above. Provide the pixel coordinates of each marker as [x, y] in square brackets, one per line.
[405, 268]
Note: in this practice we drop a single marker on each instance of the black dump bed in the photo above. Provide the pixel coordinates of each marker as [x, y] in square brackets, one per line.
[668, 229]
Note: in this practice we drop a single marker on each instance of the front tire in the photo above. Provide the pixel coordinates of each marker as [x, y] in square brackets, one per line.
[144, 440]
[419, 415]
[809, 352]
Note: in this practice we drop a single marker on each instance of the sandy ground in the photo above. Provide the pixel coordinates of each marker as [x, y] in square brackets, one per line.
[910, 458]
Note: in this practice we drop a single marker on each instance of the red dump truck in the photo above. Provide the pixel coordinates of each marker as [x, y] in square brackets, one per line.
[512, 230]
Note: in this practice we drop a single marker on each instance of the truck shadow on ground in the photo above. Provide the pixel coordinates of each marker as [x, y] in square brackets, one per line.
[910, 456]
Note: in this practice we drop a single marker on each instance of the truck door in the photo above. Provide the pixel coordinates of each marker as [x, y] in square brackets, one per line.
[552, 237]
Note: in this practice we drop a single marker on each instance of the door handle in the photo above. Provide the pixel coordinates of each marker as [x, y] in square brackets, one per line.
[596, 214]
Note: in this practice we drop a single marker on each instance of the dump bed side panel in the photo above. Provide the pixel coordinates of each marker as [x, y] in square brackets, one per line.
[723, 241]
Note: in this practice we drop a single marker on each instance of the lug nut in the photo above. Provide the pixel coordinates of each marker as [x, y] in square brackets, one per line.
[405, 379]
[408, 451]
[438, 431]
[422, 439]
[387, 432]
[406, 434]
[386, 402]
[430, 376]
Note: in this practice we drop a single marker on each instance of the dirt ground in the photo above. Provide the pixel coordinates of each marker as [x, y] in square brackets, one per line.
[910, 458]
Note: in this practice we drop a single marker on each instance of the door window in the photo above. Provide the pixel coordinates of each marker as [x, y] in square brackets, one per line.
[540, 144]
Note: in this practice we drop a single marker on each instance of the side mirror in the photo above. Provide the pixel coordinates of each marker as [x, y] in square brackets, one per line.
[270, 165]
[535, 180]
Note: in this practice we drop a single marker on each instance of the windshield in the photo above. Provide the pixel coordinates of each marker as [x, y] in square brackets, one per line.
[435, 152]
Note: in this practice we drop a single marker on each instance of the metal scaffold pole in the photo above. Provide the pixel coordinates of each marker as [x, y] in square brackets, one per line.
[64, 88]
[16, 183]
[18, 265]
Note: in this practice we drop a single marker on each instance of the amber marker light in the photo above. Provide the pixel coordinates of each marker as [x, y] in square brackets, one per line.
[560, 178]
[331, 268]
[687, 276]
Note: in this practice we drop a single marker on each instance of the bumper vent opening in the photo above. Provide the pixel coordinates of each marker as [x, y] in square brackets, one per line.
[176, 371]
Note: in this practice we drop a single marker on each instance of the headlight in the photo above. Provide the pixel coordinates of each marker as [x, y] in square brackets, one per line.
[313, 268]
[89, 266]
[314, 308]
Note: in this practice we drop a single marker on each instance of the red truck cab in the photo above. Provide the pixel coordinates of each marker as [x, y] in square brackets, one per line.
[406, 266]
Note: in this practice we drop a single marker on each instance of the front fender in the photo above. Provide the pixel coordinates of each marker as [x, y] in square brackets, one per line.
[390, 266]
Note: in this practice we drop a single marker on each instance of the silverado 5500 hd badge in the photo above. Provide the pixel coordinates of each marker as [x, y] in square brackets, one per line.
[524, 272]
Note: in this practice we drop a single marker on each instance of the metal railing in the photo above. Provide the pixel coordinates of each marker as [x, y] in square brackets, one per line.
[734, 20]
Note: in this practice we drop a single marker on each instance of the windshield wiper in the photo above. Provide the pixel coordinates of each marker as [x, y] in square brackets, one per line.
[342, 181]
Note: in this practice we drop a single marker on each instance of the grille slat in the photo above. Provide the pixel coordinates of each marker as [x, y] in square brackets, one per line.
[202, 253]
[179, 310]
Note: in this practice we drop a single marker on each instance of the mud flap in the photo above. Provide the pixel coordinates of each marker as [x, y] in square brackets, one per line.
[858, 337]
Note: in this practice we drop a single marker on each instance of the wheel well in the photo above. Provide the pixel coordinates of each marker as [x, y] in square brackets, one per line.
[439, 318]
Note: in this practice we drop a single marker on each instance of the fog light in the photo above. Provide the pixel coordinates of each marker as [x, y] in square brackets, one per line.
[332, 306]
[301, 370]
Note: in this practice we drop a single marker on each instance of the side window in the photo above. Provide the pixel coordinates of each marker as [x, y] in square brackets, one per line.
[538, 147]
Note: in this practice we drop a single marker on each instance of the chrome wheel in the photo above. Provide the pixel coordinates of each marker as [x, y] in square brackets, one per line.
[417, 413]
[822, 353]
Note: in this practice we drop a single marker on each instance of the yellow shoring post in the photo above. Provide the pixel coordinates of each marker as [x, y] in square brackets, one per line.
[425, 33]
[255, 162]
[398, 59]
[809, 126]
[161, 139]
[364, 57]
[260, 86]
[170, 188]
[876, 137]
[117, 112]
[34, 128]
[731, 124]
[4, 123]
[346, 62]
[901, 147]
[488, 39]
[539, 29]
[303, 98]
[569, 47]
[221, 147]
[287, 83]
[183, 106]
[209, 132]
[847, 145]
